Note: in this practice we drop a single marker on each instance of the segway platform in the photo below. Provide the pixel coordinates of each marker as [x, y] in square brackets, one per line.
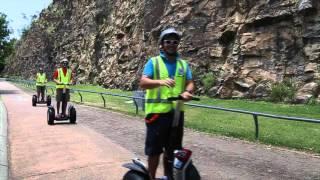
[35, 100]
[71, 116]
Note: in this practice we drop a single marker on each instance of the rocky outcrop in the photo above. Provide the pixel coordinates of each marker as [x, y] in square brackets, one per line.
[246, 44]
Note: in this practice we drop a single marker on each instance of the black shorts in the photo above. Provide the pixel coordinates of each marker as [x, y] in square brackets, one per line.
[159, 137]
[59, 95]
[41, 89]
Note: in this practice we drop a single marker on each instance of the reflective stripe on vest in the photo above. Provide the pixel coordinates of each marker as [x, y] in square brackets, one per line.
[64, 79]
[156, 98]
[41, 79]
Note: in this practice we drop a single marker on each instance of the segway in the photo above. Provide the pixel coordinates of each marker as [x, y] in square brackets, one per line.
[183, 168]
[35, 101]
[71, 115]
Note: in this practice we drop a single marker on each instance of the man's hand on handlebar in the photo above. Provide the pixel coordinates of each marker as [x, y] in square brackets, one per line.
[63, 83]
[177, 98]
[187, 96]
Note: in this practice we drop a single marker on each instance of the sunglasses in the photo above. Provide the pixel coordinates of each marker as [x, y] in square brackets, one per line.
[171, 42]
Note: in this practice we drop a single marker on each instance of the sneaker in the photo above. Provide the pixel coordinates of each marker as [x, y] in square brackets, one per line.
[162, 178]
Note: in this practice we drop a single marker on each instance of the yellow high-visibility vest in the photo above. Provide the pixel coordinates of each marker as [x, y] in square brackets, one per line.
[156, 98]
[41, 79]
[64, 79]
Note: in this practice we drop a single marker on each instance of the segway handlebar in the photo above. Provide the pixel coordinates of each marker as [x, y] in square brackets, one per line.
[181, 98]
[63, 84]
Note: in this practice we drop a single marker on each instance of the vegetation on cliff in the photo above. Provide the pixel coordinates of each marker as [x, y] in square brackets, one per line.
[6, 44]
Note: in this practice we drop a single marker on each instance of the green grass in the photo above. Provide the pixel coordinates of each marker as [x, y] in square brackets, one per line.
[292, 134]
[121, 104]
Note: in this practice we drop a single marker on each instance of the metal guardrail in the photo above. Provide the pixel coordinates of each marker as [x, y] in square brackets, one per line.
[29, 83]
[136, 97]
[256, 114]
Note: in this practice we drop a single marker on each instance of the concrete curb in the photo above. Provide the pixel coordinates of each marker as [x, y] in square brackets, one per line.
[3, 143]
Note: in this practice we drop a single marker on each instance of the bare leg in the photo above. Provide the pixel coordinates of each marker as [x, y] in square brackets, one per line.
[58, 107]
[153, 162]
[42, 93]
[64, 107]
[38, 93]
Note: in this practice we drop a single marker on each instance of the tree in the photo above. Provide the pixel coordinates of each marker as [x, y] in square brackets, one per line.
[6, 45]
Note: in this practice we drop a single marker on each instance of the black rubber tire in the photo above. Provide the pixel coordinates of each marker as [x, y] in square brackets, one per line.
[50, 115]
[134, 175]
[72, 115]
[192, 173]
[34, 100]
[48, 100]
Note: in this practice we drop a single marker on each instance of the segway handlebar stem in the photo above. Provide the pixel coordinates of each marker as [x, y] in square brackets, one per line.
[181, 98]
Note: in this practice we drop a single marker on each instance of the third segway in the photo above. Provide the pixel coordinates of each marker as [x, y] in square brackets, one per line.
[35, 101]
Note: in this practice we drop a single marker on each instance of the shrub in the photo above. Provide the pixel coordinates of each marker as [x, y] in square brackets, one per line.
[208, 81]
[312, 101]
[283, 91]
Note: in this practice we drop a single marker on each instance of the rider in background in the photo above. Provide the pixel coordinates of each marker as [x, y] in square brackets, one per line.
[165, 75]
[63, 78]
[41, 81]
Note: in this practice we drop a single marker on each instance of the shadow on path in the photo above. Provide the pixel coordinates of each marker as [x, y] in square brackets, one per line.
[8, 91]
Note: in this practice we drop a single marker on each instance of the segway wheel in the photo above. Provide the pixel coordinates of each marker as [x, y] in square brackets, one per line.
[134, 175]
[34, 100]
[50, 115]
[192, 173]
[48, 100]
[72, 115]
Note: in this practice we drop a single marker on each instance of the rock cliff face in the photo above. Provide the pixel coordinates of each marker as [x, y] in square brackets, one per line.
[247, 44]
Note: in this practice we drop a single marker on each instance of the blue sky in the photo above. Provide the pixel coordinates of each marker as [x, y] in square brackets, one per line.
[19, 13]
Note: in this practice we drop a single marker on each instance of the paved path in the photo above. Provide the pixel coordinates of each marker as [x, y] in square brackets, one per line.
[3, 142]
[216, 157]
[63, 151]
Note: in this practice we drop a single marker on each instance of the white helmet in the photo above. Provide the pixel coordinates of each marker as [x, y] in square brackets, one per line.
[64, 60]
[167, 32]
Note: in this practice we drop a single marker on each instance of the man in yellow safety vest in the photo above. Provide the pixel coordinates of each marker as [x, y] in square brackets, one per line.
[41, 81]
[165, 75]
[63, 79]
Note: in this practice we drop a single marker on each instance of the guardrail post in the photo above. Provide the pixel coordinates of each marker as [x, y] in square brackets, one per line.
[104, 101]
[256, 123]
[52, 91]
[80, 96]
[135, 103]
